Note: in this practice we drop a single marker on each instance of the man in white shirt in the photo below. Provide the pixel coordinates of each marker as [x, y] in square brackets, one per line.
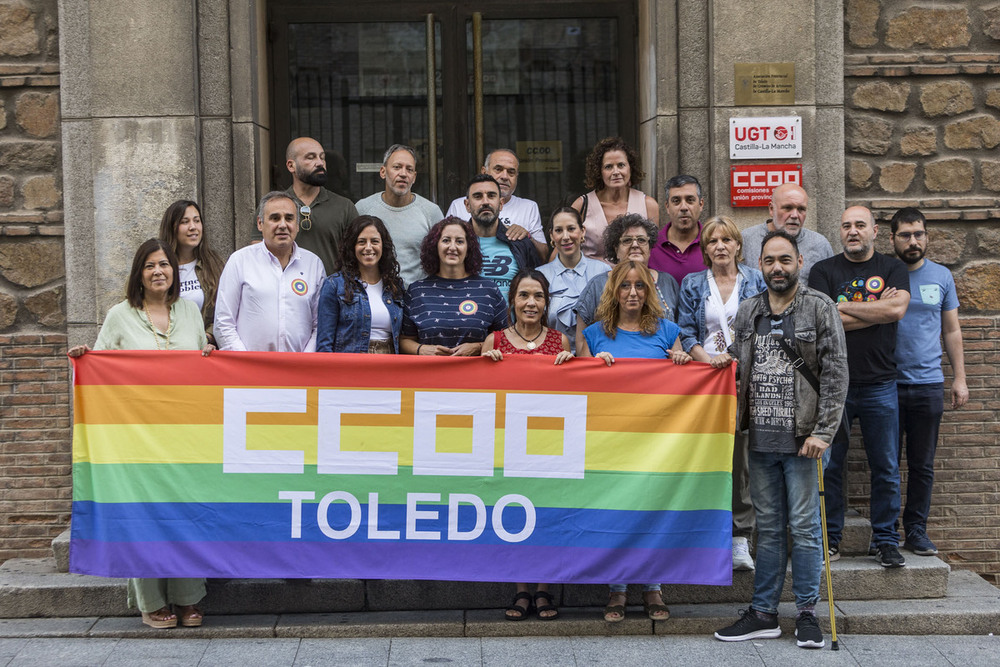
[269, 292]
[406, 215]
[520, 217]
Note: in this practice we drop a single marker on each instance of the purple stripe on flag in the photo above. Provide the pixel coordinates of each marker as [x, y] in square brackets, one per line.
[446, 561]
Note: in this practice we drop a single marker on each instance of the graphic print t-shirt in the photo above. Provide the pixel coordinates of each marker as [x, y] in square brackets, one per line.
[871, 352]
[499, 264]
[772, 387]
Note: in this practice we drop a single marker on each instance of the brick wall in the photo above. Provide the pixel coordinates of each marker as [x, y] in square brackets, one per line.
[34, 399]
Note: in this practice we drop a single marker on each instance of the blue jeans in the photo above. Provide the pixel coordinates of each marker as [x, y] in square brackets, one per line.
[920, 409]
[785, 491]
[876, 407]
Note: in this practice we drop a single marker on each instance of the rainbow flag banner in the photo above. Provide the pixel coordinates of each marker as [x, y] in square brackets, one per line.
[260, 465]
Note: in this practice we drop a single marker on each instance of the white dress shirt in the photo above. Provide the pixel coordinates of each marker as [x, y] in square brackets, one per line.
[262, 307]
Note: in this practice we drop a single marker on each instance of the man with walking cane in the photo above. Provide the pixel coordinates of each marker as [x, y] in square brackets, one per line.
[792, 383]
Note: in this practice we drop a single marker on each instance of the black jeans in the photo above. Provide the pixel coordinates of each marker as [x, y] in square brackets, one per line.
[920, 410]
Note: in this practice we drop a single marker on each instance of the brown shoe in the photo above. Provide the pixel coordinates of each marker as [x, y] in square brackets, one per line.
[190, 615]
[160, 619]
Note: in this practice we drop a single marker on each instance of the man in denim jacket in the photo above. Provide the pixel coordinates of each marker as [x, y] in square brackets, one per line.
[790, 423]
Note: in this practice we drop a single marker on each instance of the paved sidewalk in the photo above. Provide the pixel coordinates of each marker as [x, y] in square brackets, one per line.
[874, 650]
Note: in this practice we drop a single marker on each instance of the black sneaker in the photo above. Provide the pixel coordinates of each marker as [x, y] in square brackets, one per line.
[888, 556]
[807, 632]
[834, 553]
[918, 542]
[750, 626]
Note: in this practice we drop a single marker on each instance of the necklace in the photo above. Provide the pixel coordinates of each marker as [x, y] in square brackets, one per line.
[155, 330]
[530, 343]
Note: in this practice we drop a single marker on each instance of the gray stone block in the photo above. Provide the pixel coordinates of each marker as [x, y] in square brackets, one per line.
[692, 54]
[46, 627]
[572, 622]
[373, 624]
[216, 197]
[243, 53]
[946, 616]
[391, 594]
[146, 70]
[420, 651]
[248, 626]
[213, 57]
[60, 551]
[705, 619]
[74, 60]
[33, 588]
[245, 184]
[981, 651]
[130, 651]
[558, 651]
[250, 652]
[65, 652]
[282, 596]
[78, 198]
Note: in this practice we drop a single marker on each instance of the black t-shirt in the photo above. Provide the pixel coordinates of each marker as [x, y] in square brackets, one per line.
[871, 352]
[772, 387]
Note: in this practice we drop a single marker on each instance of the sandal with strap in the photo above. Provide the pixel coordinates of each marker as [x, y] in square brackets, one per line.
[546, 606]
[522, 612]
[190, 616]
[160, 619]
[656, 612]
[614, 613]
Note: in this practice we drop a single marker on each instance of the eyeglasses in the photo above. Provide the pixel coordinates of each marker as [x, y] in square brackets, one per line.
[906, 236]
[638, 285]
[637, 240]
[305, 223]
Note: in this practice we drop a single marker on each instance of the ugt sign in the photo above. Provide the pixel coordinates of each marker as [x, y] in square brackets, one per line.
[756, 138]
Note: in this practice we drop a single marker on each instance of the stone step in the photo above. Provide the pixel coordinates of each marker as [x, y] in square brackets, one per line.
[972, 606]
[33, 588]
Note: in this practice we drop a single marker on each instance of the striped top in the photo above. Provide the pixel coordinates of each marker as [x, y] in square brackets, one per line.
[449, 312]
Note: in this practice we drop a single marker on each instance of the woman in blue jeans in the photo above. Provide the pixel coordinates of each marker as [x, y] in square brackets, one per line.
[361, 306]
[706, 313]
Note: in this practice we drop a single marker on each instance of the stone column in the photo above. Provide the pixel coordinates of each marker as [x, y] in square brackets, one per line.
[153, 110]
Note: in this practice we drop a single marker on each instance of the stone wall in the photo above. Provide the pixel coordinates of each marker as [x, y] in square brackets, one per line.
[34, 401]
[922, 128]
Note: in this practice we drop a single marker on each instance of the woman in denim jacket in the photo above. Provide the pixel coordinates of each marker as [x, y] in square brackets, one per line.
[706, 314]
[361, 306]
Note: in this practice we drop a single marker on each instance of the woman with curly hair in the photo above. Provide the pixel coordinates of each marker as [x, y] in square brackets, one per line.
[612, 169]
[184, 231]
[450, 312]
[361, 306]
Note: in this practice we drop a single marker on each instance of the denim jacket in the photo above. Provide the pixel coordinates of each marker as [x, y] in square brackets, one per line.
[819, 340]
[346, 326]
[695, 295]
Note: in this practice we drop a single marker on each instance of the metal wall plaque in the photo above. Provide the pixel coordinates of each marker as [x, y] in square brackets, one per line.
[764, 84]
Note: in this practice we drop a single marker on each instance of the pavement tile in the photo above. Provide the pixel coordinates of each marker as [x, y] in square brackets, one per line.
[9, 648]
[179, 653]
[969, 650]
[64, 652]
[414, 651]
[250, 652]
[892, 651]
[617, 650]
[706, 650]
[572, 622]
[557, 651]
[784, 651]
[354, 652]
[46, 627]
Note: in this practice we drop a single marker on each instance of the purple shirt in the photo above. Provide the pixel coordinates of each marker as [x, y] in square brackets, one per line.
[665, 256]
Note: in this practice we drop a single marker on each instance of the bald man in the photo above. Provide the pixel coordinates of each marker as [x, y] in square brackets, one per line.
[788, 213]
[323, 215]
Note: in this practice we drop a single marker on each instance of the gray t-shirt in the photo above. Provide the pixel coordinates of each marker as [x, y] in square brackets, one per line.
[407, 225]
[586, 305]
[813, 247]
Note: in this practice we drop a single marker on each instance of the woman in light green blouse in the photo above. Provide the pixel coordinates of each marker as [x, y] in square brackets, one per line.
[153, 317]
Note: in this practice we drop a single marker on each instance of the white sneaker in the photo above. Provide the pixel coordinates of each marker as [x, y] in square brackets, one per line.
[741, 554]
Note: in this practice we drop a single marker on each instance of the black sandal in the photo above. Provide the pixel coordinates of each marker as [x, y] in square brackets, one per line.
[548, 606]
[524, 612]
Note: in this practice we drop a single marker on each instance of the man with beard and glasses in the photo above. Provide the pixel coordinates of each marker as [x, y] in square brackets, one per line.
[520, 216]
[323, 215]
[502, 258]
[406, 215]
[788, 213]
[792, 381]
[872, 293]
[931, 316]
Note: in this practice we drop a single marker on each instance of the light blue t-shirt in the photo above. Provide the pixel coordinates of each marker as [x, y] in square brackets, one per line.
[918, 336]
[499, 264]
[633, 344]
